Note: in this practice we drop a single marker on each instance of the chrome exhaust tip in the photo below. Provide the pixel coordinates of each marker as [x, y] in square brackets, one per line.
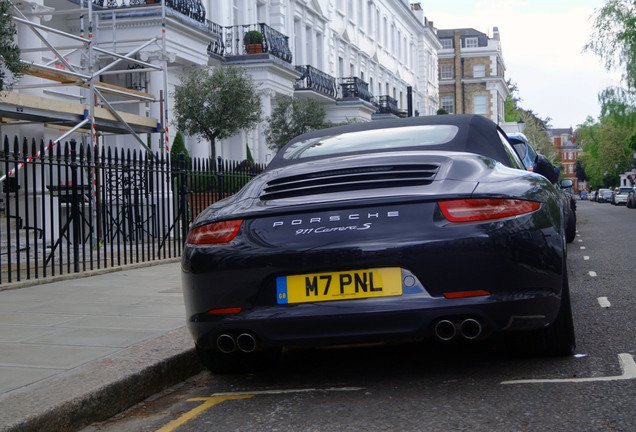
[226, 343]
[470, 328]
[445, 330]
[246, 342]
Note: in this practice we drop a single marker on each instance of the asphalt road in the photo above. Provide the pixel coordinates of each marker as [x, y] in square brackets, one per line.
[430, 387]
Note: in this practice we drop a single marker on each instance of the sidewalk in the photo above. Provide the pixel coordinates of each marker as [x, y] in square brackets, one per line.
[82, 349]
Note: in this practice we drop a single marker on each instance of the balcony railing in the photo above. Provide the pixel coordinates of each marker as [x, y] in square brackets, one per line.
[251, 39]
[191, 8]
[388, 105]
[354, 87]
[317, 80]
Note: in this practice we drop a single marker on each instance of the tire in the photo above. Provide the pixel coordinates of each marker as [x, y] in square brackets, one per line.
[238, 362]
[556, 340]
[570, 227]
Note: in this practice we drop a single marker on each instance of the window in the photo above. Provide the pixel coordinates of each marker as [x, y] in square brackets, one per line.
[448, 104]
[480, 104]
[372, 140]
[471, 42]
[385, 33]
[479, 70]
[446, 72]
[447, 43]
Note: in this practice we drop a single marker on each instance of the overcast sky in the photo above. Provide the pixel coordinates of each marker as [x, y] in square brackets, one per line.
[542, 44]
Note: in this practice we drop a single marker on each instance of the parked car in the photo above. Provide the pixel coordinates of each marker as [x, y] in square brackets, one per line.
[528, 156]
[524, 149]
[631, 199]
[604, 196]
[569, 204]
[583, 195]
[620, 195]
[382, 231]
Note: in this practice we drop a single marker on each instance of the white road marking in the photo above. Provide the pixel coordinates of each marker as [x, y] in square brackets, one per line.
[604, 302]
[586, 258]
[580, 241]
[592, 273]
[626, 361]
[582, 247]
[274, 392]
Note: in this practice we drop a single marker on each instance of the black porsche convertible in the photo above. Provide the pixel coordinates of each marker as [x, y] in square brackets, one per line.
[391, 230]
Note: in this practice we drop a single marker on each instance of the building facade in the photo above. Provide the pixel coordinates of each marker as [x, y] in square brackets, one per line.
[472, 73]
[564, 142]
[361, 59]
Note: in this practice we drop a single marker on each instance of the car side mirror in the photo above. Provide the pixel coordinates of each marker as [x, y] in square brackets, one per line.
[543, 166]
[566, 183]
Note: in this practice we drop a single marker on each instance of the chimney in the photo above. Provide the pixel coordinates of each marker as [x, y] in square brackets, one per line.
[495, 33]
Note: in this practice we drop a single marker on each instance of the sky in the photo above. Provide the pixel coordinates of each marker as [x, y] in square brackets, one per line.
[542, 45]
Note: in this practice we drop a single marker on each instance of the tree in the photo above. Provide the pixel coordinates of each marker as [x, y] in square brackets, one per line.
[9, 52]
[536, 130]
[606, 150]
[614, 41]
[178, 146]
[216, 104]
[292, 117]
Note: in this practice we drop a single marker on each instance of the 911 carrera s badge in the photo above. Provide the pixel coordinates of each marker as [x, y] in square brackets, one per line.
[333, 222]
[379, 282]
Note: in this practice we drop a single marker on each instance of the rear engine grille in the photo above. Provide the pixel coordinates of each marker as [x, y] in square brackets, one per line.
[347, 180]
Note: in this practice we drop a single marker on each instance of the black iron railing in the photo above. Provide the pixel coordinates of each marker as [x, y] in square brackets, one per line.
[191, 8]
[316, 80]
[388, 105]
[66, 209]
[251, 39]
[354, 87]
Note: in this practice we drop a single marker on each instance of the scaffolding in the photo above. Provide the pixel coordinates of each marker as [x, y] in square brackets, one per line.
[96, 114]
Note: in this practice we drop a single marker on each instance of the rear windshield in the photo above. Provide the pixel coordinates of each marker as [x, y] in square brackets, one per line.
[376, 139]
[625, 190]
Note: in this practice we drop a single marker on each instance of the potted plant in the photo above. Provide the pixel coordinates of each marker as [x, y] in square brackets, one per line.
[253, 41]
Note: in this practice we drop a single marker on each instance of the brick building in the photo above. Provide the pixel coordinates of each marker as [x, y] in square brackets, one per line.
[564, 141]
[471, 73]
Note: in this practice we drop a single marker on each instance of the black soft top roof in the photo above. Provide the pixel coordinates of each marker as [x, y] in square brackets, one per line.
[476, 134]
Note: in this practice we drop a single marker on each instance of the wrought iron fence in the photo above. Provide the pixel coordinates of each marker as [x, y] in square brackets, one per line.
[251, 39]
[354, 87]
[66, 209]
[316, 80]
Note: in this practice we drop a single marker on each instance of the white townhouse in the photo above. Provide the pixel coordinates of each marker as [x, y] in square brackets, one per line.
[111, 66]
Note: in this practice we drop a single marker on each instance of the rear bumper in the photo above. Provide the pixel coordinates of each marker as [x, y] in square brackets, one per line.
[372, 320]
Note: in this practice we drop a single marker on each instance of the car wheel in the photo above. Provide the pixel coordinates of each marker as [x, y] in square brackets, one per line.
[570, 228]
[557, 339]
[238, 362]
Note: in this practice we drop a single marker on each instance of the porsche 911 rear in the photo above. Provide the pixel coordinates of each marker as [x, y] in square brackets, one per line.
[408, 246]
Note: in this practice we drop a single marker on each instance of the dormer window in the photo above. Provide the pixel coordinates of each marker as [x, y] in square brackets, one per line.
[447, 43]
[471, 42]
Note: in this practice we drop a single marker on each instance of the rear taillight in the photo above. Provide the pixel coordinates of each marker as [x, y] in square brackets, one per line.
[220, 232]
[470, 210]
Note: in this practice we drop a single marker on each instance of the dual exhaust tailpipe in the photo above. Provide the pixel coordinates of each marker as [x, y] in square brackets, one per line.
[228, 343]
[447, 330]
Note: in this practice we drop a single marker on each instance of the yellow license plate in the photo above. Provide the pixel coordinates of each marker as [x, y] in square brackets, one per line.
[316, 287]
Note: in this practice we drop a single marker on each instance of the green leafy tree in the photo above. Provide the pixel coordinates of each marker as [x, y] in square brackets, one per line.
[178, 146]
[292, 117]
[216, 104]
[614, 41]
[9, 52]
[536, 129]
[606, 150]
